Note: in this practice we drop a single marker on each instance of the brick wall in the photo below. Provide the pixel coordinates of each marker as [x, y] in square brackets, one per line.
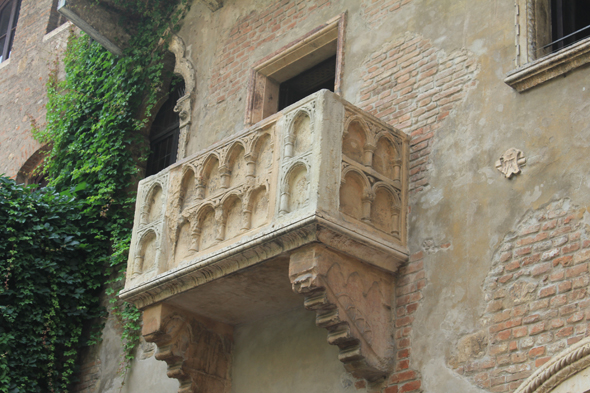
[414, 86]
[22, 84]
[375, 11]
[537, 299]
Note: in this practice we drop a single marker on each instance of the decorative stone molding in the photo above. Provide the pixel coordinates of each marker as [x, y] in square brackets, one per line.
[550, 66]
[197, 350]
[243, 201]
[510, 162]
[569, 362]
[183, 67]
[352, 301]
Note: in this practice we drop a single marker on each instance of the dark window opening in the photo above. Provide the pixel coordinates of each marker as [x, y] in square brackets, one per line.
[321, 76]
[55, 18]
[9, 12]
[165, 130]
[38, 178]
[570, 22]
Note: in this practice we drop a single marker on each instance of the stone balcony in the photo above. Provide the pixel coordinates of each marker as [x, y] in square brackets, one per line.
[311, 201]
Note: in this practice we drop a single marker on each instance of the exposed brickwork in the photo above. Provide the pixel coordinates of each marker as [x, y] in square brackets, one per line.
[89, 376]
[233, 64]
[375, 11]
[408, 296]
[22, 83]
[537, 300]
[414, 86]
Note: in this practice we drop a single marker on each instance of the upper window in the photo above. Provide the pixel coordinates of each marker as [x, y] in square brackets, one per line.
[560, 24]
[552, 38]
[9, 10]
[311, 63]
[55, 18]
[165, 131]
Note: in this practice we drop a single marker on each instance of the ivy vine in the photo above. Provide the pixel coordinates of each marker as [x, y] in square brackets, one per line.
[77, 246]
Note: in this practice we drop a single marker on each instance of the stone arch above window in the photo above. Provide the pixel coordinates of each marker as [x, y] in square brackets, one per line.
[30, 172]
[563, 373]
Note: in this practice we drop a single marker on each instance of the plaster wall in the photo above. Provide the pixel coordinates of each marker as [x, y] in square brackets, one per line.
[463, 210]
[287, 353]
[463, 207]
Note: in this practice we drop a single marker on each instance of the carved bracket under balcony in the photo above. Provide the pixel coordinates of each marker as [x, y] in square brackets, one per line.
[197, 351]
[352, 301]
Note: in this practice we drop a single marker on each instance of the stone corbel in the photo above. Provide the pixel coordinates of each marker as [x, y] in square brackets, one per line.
[352, 300]
[197, 350]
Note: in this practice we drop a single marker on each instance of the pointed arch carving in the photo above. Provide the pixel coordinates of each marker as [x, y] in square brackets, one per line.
[183, 67]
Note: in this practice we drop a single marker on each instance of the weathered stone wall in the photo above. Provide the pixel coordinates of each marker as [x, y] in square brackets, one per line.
[22, 82]
[435, 69]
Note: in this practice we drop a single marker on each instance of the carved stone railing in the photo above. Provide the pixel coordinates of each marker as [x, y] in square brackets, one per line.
[317, 192]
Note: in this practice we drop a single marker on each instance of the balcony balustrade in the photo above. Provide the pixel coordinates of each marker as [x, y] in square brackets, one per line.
[311, 201]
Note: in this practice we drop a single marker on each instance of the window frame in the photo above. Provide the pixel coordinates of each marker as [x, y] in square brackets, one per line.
[10, 29]
[533, 25]
[267, 74]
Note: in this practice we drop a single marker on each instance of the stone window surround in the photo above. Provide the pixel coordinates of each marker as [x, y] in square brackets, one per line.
[290, 60]
[531, 72]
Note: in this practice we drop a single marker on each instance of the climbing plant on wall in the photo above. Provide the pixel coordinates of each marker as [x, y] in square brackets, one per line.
[96, 117]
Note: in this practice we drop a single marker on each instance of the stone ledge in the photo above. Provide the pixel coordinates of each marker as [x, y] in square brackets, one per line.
[229, 260]
[549, 67]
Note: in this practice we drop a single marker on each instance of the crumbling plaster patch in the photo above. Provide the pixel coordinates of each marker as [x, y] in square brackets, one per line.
[412, 84]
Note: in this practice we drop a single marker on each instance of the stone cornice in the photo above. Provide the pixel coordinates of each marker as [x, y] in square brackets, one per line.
[549, 67]
[263, 247]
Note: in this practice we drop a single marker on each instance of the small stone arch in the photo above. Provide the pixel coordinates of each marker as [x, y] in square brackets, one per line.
[258, 204]
[232, 216]
[386, 209]
[188, 186]
[146, 254]
[299, 135]
[355, 139]
[206, 227]
[295, 188]
[262, 154]
[387, 157]
[354, 189]
[236, 163]
[211, 175]
[153, 204]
